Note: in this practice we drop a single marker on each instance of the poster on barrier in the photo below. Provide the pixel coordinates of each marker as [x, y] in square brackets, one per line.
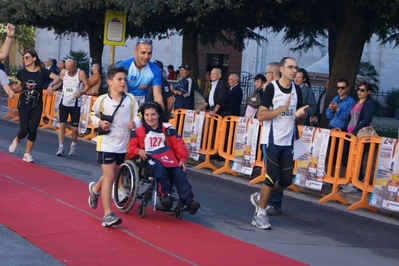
[56, 109]
[311, 165]
[386, 192]
[84, 114]
[246, 145]
[192, 132]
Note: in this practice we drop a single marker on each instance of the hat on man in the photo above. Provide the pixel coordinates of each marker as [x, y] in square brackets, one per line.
[185, 67]
[159, 64]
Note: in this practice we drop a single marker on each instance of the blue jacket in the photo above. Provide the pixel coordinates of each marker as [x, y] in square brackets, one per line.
[340, 118]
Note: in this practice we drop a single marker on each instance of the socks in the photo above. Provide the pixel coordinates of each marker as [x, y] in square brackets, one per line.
[73, 144]
[261, 212]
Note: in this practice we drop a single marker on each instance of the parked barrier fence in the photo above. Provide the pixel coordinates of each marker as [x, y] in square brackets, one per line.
[219, 138]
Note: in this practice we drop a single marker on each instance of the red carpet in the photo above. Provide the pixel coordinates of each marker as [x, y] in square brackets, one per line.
[50, 210]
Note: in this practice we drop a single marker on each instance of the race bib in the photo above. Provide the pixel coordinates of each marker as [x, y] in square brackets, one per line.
[154, 141]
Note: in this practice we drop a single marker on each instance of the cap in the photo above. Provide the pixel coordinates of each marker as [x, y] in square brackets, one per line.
[184, 66]
[159, 64]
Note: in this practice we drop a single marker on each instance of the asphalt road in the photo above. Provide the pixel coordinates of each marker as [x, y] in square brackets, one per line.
[314, 233]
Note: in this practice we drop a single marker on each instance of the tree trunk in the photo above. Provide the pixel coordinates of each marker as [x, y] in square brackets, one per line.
[190, 49]
[96, 47]
[352, 36]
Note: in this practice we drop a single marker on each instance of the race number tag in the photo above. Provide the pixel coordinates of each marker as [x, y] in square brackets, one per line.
[154, 141]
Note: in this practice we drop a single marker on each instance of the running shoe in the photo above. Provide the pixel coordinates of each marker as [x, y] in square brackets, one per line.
[72, 151]
[60, 151]
[93, 198]
[13, 146]
[254, 200]
[261, 222]
[28, 158]
[110, 219]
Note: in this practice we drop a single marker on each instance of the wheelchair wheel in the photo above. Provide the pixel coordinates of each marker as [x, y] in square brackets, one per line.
[127, 178]
[141, 211]
[178, 215]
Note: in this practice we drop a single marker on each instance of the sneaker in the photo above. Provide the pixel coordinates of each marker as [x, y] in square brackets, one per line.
[60, 151]
[166, 201]
[261, 222]
[13, 146]
[28, 158]
[254, 200]
[110, 219]
[193, 206]
[349, 189]
[93, 198]
[270, 210]
[123, 194]
[72, 151]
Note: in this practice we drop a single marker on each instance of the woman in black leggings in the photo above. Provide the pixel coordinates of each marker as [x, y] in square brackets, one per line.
[30, 105]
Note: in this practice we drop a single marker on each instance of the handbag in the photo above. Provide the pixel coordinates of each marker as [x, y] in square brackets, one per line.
[109, 118]
[366, 131]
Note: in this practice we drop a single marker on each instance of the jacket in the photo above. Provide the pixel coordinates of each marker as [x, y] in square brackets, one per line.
[173, 140]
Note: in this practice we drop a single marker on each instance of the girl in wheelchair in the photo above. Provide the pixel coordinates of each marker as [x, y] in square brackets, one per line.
[165, 154]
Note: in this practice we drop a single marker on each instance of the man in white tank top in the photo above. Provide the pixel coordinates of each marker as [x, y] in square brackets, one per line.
[281, 105]
[74, 85]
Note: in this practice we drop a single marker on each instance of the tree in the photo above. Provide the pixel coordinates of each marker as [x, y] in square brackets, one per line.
[366, 69]
[86, 18]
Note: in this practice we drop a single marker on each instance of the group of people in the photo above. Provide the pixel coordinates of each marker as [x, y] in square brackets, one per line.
[136, 86]
[283, 104]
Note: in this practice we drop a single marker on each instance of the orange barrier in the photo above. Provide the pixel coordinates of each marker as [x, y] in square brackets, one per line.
[12, 105]
[367, 185]
[92, 128]
[48, 110]
[226, 143]
[334, 172]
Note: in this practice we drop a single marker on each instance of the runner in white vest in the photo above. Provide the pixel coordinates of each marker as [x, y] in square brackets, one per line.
[281, 105]
[74, 85]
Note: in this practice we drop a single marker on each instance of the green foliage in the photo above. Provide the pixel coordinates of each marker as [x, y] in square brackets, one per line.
[25, 35]
[13, 73]
[393, 100]
[82, 61]
[366, 69]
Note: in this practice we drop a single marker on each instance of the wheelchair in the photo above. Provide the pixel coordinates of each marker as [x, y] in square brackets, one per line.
[138, 181]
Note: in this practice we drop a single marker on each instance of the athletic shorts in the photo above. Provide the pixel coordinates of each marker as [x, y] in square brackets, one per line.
[64, 111]
[110, 157]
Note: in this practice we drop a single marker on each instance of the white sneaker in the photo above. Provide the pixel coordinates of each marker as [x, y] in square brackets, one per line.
[28, 158]
[349, 189]
[72, 151]
[13, 146]
[60, 151]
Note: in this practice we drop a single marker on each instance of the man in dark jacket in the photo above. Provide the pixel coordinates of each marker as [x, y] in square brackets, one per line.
[235, 95]
[218, 97]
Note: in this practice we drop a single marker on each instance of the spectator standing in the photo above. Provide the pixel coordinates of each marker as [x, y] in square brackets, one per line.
[54, 68]
[361, 115]
[74, 85]
[167, 96]
[320, 106]
[31, 80]
[207, 83]
[303, 81]
[218, 96]
[61, 65]
[253, 102]
[111, 147]
[183, 91]
[339, 109]
[281, 105]
[143, 74]
[235, 95]
[48, 63]
[171, 73]
[95, 80]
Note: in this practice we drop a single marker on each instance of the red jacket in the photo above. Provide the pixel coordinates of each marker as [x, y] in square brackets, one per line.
[174, 141]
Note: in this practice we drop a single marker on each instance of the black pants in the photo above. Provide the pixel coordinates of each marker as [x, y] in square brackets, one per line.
[29, 120]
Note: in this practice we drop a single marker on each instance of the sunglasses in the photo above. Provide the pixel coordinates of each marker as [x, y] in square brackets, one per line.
[362, 90]
[26, 57]
[144, 40]
[291, 67]
[341, 88]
